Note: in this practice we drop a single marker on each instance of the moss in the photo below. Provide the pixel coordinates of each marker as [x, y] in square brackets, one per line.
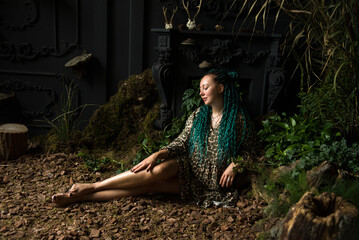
[128, 114]
[54, 144]
[117, 125]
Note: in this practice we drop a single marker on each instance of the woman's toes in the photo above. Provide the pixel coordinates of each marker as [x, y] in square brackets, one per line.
[73, 188]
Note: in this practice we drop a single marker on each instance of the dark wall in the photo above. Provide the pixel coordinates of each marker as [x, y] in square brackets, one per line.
[38, 37]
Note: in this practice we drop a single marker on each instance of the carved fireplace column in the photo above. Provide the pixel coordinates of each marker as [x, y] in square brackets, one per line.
[162, 74]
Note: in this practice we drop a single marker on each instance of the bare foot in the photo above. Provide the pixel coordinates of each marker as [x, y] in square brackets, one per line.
[62, 199]
[79, 189]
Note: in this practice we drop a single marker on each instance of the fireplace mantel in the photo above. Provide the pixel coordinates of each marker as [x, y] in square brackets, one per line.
[255, 56]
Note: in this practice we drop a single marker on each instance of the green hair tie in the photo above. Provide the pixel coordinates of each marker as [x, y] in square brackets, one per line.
[233, 75]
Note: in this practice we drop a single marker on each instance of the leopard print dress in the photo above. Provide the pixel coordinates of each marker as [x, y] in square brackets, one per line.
[199, 180]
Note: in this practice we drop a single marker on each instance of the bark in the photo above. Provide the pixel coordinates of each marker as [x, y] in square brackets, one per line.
[326, 216]
[13, 140]
[323, 174]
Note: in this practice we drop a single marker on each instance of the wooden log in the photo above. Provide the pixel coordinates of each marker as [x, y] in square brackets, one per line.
[326, 216]
[13, 140]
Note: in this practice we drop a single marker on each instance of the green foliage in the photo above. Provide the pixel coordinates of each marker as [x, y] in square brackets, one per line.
[95, 164]
[328, 53]
[252, 166]
[333, 104]
[191, 100]
[323, 38]
[337, 152]
[284, 191]
[288, 139]
[67, 117]
[348, 189]
[148, 147]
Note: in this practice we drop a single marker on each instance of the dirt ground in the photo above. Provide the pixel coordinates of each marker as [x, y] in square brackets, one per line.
[27, 184]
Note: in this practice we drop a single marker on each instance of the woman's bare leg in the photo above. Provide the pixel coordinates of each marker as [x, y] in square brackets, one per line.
[161, 172]
[168, 186]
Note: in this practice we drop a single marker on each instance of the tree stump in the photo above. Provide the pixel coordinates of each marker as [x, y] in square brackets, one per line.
[326, 216]
[13, 140]
[323, 174]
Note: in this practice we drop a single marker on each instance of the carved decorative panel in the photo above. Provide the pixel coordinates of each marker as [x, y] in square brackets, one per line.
[20, 15]
[34, 101]
[27, 14]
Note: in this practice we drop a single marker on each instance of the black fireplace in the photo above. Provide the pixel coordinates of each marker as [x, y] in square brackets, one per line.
[185, 55]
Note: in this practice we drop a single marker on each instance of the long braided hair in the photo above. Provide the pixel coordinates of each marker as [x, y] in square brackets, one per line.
[227, 136]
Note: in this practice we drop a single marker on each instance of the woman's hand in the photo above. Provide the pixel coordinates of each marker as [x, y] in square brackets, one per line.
[228, 176]
[147, 163]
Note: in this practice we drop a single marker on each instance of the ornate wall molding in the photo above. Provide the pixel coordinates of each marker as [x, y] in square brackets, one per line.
[25, 86]
[21, 86]
[222, 52]
[276, 80]
[28, 15]
[11, 51]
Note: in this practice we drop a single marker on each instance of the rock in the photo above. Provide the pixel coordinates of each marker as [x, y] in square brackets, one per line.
[326, 216]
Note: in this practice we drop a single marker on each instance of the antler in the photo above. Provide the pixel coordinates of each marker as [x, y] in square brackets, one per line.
[186, 8]
[168, 25]
[199, 9]
[173, 13]
[164, 10]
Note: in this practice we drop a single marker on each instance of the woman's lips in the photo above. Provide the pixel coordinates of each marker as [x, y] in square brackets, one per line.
[204, 99]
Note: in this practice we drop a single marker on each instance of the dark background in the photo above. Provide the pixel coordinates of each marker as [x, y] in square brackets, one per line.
[37, 38]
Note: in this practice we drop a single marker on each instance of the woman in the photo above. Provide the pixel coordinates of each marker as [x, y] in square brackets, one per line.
[197, 164]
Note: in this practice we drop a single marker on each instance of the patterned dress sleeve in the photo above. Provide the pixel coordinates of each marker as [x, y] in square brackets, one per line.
[180, 144]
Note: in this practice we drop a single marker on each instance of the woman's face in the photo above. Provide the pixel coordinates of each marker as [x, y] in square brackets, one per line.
[210, 91]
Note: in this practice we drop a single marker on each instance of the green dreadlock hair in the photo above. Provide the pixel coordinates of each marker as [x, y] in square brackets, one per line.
[227, 144]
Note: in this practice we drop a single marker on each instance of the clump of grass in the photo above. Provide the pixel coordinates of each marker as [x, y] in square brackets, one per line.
[94, 163]
[347, 188]
[65, 121]
[65, 125]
